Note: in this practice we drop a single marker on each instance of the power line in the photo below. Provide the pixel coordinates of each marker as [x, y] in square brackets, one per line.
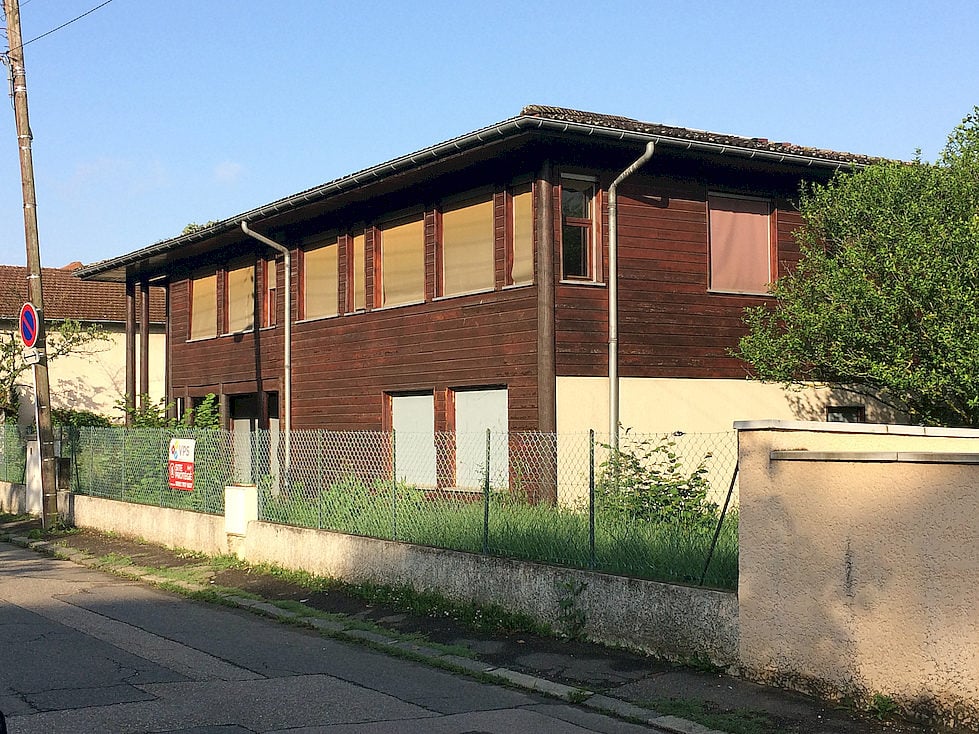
[64, 25]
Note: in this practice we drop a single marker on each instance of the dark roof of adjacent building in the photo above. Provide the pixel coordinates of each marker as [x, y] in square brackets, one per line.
[68, 297]
[555, 121]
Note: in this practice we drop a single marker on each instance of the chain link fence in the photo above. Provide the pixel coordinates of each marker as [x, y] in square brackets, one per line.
[131, 464]
[659, 507]
[13, 454]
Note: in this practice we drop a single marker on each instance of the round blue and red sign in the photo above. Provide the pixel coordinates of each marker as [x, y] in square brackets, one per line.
[28, 324]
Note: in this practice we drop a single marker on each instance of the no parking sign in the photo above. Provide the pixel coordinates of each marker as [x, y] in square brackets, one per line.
[28, 324]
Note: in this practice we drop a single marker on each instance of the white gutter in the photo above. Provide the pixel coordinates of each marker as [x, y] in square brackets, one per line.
[287, 358]
[613, 294]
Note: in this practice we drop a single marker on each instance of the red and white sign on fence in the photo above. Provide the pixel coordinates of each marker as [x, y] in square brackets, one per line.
[180, 467]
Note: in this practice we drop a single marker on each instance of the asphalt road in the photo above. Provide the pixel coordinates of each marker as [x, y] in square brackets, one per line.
[83, 651]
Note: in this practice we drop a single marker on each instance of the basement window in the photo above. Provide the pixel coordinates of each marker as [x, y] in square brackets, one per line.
[846, 414]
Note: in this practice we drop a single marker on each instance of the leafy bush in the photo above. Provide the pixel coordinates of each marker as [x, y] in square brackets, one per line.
[150, 414]
[646, 480]
[70, 417]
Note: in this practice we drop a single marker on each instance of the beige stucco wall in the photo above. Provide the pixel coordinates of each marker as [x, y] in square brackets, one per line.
[703, 410]
[861, 576]
[94, 377]
[653, 405]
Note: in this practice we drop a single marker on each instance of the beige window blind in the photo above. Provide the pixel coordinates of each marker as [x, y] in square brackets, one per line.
[241, 299]
[740, 244]
[204, 307]
[358, 280]
[522, 267]
[467, 249]
[321, 289]
[403, 264]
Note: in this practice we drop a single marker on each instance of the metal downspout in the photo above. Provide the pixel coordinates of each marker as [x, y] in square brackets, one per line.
[287, 357]
[613, 295]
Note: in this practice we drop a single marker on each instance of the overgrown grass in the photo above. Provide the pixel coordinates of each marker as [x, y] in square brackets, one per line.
[661, 551]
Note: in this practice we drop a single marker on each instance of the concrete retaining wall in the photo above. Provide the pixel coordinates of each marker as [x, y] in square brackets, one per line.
[672, 621]
[13, 498]
[172, 528]
[859, 563]
[677, 622]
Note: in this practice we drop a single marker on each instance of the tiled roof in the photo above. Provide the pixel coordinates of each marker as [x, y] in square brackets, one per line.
[684, 133]
[66, 296]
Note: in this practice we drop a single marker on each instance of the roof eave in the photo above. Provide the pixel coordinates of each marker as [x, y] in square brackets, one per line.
[470, 141]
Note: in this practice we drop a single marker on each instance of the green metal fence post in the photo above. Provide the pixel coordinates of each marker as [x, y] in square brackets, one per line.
[591, 498]
[394, 484]
[486, 496]
[91, 460]
[319, 480]
[165, 453]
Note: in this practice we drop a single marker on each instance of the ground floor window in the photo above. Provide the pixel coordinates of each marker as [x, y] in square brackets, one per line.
[477, 410]
[413, 423]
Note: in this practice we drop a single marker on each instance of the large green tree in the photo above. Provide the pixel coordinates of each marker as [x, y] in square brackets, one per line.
[885, 299]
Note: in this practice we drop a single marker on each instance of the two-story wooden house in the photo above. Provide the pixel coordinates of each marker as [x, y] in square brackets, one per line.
[466, 285]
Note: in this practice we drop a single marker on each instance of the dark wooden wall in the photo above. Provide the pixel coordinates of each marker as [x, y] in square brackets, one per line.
[670, 325]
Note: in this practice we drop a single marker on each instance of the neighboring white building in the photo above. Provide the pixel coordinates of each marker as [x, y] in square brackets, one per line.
[93, 378]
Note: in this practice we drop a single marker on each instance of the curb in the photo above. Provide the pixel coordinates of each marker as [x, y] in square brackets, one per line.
[339, 630]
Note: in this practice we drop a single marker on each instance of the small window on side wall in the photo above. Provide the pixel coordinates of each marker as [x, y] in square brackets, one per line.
[741, 252]
[846, 414]
[578, 250]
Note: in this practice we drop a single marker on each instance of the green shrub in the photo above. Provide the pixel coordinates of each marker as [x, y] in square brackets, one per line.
[645, 479]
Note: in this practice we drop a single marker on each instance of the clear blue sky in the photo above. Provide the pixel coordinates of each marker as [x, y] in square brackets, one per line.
[149, 114]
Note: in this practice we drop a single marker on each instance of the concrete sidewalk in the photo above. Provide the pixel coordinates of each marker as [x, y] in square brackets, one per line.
[597, 679]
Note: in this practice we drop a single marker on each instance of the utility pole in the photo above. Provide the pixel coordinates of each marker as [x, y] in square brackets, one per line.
[42, 392]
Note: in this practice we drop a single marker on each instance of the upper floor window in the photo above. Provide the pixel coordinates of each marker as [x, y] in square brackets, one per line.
[578, 250]
[402, 264]
[520, 255]
[240, 312]
[269, 289]
[356, 273]
[468, 248]
[204, 307]
[321, 285]
[741, 252]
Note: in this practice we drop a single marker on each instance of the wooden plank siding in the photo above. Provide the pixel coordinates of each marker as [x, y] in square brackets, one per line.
[670, 325]
[343, 367]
